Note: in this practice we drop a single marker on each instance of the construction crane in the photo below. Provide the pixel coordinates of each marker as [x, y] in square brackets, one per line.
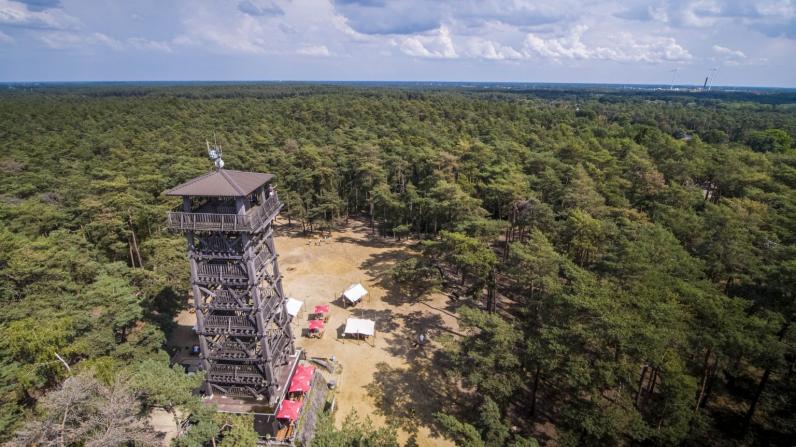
[674, 76]
[709, 79]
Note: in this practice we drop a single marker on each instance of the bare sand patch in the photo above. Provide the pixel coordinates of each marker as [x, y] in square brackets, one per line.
[387, 378]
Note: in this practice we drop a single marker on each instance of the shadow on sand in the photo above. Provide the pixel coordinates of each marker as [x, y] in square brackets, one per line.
[379, 270]
[409, 397]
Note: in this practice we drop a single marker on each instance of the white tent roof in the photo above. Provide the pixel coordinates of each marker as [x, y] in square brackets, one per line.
[360, 326]
[355, 292]
[293, 306]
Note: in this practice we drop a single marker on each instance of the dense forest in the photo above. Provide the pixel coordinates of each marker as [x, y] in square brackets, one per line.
[627, 260]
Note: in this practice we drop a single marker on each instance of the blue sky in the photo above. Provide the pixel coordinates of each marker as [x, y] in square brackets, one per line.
[749, 42]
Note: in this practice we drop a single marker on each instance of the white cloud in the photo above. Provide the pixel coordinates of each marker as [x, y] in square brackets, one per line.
[59, 40]
[218, 28]
[487, 49]
[247, 35]
[699, 14]
[622, 47]
[728, 53]
[140, 43]
[769, 17]
[103, 39]
[317, 50]
[438, 45]
[17, 14]
[736, 58]
[340, 23]
[612, 37]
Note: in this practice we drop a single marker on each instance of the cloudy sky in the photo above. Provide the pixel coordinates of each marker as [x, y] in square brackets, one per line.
[748, 42]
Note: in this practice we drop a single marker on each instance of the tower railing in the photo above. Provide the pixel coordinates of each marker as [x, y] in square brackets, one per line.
[239, 374]
[229, 325]
[252, 220]
[225, 300]
[229, 273]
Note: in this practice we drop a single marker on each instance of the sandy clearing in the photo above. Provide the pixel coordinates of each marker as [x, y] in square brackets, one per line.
[387, 378]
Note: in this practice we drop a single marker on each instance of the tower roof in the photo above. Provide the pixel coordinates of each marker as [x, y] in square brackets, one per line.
[221, 183]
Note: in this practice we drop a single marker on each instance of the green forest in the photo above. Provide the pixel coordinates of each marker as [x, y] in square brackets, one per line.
[626, 260]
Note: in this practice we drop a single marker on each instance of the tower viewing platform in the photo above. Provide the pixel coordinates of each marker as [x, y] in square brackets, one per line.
[213, 208]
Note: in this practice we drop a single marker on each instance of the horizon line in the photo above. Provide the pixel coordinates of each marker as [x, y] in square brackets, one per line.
[326, 81]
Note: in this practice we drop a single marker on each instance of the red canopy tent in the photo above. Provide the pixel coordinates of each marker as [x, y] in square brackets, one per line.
[316, 325]
[301, 379]
[304, 370]
[289, 409]
[321, 309]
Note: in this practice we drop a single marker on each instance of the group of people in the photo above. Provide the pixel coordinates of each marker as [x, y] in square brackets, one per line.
[318, 241]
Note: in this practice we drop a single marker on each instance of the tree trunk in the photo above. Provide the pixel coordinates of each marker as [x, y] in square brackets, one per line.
[641, 385]
[509, 230]
[758, 392]
[130, 250]
[534, 389]
[372, 219]
[135, 241]
[705, 375]
[653, 379]
[491, 298]
[762, 385]
[711, 382]
[533, 289]
[137, 252]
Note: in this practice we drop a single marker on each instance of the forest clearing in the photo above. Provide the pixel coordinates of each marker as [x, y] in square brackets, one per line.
[390, 378]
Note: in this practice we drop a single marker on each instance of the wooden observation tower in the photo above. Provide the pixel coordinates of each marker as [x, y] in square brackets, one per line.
[244, 330]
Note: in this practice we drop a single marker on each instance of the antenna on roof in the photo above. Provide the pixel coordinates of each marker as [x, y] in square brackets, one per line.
[214, 152]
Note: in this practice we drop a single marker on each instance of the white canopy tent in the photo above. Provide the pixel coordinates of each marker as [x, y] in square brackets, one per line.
[360, 326]
[354, 293]
[293, 306]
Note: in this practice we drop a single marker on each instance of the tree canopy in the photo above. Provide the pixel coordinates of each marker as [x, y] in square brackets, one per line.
[627, 259]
